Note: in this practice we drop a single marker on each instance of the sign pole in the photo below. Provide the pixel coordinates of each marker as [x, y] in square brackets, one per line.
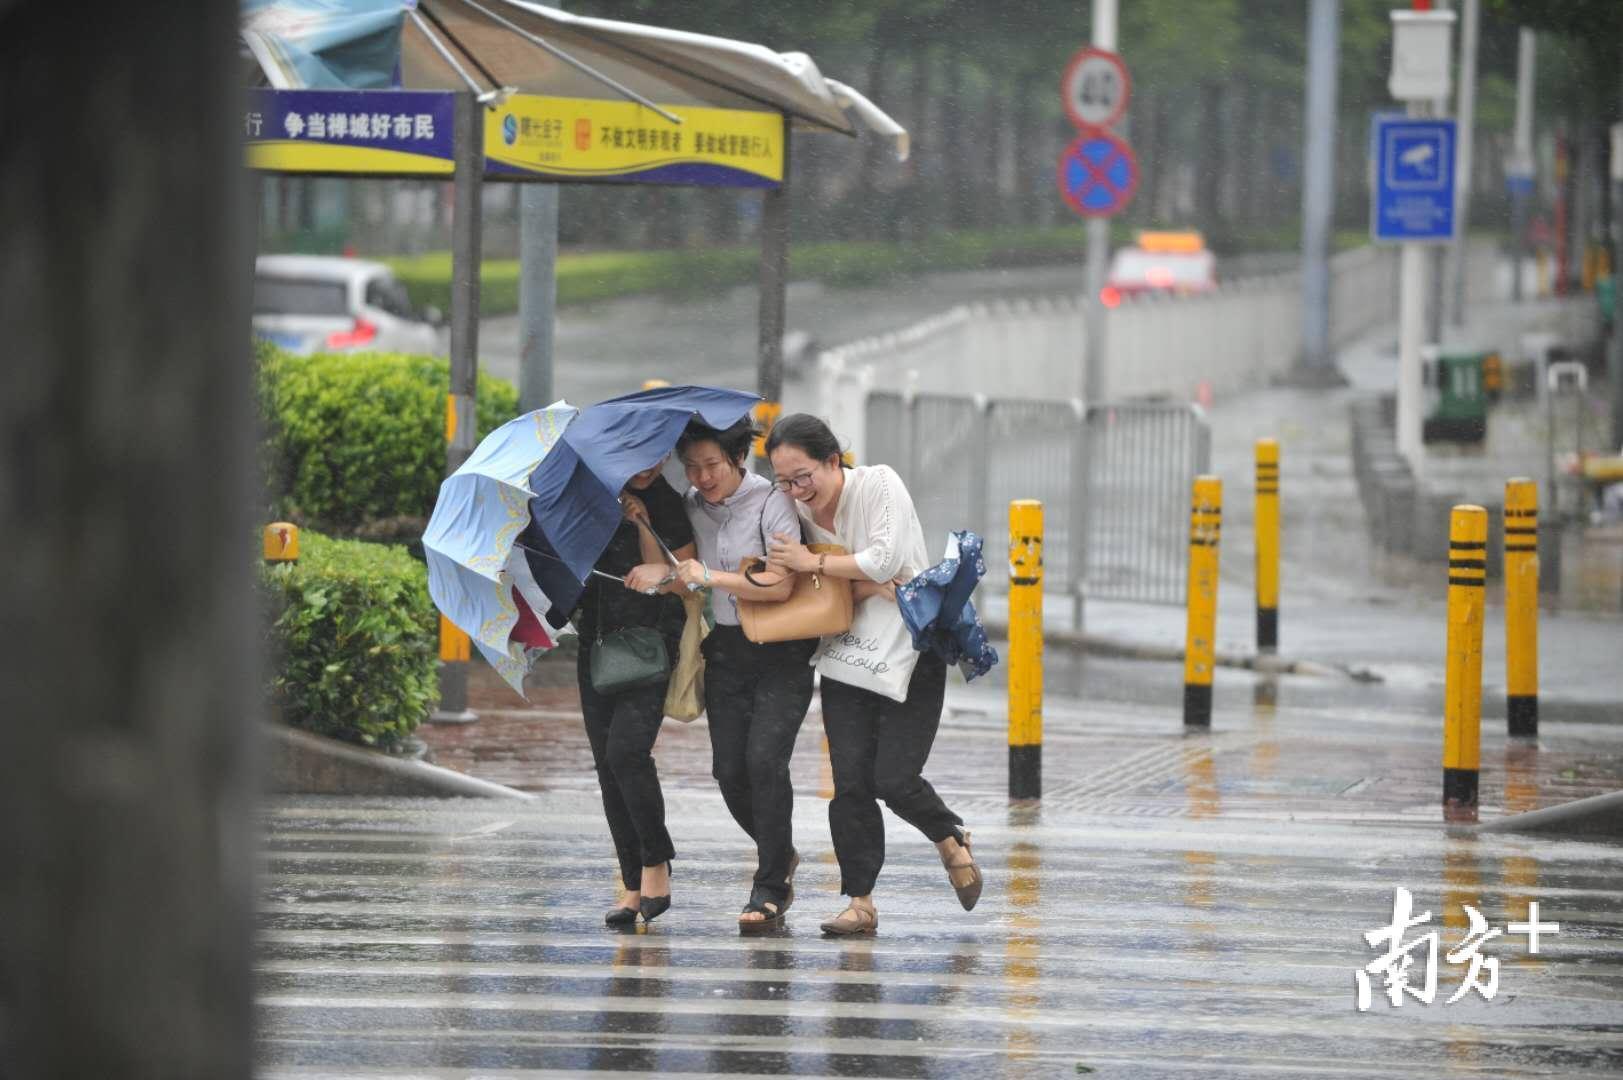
[1466, 115]
[1095, 382]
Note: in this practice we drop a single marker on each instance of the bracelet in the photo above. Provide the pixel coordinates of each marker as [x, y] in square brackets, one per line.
[821, 558]
[707, 575]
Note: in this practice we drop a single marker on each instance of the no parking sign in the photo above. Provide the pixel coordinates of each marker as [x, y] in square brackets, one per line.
[1097, 172]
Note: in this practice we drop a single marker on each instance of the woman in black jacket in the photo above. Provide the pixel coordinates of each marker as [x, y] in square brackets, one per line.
[622, 727]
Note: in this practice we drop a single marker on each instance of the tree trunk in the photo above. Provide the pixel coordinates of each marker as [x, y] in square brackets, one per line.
[1209, 167]
[129, 779]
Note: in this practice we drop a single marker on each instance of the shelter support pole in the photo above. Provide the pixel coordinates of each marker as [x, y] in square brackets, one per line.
[774, 283]
[538, 288]
[461, 430]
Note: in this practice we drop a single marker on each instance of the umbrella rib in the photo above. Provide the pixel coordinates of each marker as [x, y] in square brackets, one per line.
[439, 24]
[445, 54]
[580, 66]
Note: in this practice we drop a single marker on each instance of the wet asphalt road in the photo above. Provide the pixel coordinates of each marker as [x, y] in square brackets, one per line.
[1180, 904]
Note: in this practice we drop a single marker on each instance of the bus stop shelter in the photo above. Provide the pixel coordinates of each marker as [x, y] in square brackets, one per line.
[515, 92]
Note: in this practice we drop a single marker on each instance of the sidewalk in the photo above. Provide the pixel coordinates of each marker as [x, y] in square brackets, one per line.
[1344, 603]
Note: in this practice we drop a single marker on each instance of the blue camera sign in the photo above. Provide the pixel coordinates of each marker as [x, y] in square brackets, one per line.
[1413, 199]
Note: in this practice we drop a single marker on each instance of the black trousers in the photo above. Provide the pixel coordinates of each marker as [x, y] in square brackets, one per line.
[756, 698]
[622, 729]
[878, 748]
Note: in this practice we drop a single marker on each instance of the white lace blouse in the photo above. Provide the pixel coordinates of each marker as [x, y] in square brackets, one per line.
[877, 523]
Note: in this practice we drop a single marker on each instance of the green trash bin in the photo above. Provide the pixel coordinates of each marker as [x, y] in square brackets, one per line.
[1462, 400]
[1606, 296]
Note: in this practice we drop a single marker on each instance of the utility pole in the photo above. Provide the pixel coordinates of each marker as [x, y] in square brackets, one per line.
[1094, 386]
[1614, 358]
[1519, 171]
[538, 288]
[1318, 363]
[1471, 10]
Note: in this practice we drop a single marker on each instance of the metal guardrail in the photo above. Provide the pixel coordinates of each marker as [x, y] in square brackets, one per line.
[1142, 459]
[1113, 480]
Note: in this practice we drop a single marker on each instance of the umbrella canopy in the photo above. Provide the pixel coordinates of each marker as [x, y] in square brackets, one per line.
[938, 612]
[577, 486]
[501, 46]
[475, 575]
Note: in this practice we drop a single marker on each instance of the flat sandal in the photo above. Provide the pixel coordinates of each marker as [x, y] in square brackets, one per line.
[864, 925]
[969, 893]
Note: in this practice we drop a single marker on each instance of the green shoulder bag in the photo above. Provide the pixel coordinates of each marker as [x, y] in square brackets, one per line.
[627, 659]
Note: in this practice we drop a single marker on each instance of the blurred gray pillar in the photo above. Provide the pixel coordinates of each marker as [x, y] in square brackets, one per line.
[1614, 365]
[1522, 155]
[1471, 11]
[466, 237]
[1436, 255]
[538, 288]
[774, 282]
[1095, 376]
[1318, 363]
[538, 293]
[129, 678]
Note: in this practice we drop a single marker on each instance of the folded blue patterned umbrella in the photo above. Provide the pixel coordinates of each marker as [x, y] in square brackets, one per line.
[937, 609]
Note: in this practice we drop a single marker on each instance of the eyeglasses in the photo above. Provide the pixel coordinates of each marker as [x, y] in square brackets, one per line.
[803, 482]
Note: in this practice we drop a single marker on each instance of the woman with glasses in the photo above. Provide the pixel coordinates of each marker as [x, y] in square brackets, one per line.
[879, 733]
[755, 695]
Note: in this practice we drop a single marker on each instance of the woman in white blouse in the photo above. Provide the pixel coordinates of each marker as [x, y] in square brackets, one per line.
[881, 699]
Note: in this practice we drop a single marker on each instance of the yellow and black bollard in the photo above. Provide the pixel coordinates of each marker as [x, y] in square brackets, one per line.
[281, 542]
[1025, 649]
[1200, 643]
[456, 650]
[1267, 525]
[1521, 606]
[1462, 694]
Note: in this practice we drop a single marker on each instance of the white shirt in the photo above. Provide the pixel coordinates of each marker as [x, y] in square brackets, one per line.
[727, 533]
[876, 522]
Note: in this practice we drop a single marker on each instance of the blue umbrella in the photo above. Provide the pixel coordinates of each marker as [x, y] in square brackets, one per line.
[938, 612]
[483, 507]
[576, 506]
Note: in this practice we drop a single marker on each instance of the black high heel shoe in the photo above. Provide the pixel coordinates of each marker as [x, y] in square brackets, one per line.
[653, 907]
[620, 916]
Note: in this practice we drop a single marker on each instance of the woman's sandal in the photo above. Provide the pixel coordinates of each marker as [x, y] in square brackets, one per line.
[769, 910]
[852, 922]
[964, 877]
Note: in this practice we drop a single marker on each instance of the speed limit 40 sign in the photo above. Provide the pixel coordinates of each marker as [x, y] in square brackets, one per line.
[1095, 88]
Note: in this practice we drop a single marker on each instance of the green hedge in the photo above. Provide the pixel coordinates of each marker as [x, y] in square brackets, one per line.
[353, 640]
[355, 444]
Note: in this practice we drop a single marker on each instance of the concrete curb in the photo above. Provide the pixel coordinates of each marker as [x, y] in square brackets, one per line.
[1598, 815]
[1130, 650]
[305, 764]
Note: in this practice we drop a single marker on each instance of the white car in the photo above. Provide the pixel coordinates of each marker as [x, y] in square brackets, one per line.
[322, 303]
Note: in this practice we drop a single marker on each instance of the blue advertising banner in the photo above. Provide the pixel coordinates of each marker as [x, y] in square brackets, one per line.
[377, 132]
[1413, 200]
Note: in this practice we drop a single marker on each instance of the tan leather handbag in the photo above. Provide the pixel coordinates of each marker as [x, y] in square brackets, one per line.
[819, 605]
